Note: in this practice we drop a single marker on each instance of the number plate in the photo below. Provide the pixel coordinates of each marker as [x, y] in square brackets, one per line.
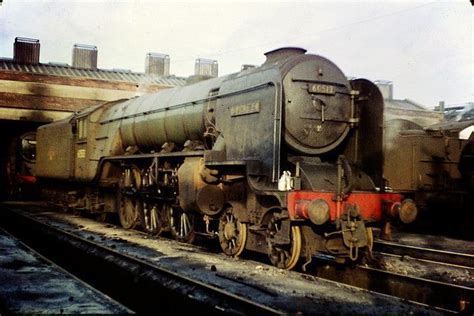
[245, 109]
[322, 89]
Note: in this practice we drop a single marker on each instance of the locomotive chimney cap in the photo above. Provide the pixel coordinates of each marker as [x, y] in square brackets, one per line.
[283, 52]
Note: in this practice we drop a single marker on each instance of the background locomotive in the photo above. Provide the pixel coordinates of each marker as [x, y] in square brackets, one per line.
[434, 167]
[19, 166]
[284, 159]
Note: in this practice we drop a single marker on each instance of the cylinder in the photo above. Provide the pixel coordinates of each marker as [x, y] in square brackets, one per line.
[195, 194]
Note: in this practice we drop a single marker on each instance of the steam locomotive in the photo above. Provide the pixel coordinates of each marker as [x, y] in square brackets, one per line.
[434, 167]
[284, 159]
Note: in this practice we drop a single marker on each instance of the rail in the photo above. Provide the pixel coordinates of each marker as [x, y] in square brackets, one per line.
[462, 259]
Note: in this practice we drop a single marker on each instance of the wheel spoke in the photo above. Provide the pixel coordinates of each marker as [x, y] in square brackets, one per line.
[171, 217]
[157, 218]
[232, 233]
[187, 223]
[282, 258]
[152, 221]
[181, 224]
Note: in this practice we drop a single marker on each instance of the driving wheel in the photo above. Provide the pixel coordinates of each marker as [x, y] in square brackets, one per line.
[283, 254]
[129, 202]
[232, 233]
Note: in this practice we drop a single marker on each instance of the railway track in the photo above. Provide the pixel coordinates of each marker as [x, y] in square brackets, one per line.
[451, 298]
[103, 267]
[141, 279]
[438, 255]
[435, 277]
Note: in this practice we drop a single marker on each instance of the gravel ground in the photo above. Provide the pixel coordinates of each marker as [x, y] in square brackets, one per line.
[406, 265]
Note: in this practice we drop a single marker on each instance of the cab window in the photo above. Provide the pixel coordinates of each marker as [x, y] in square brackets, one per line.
[82, 128]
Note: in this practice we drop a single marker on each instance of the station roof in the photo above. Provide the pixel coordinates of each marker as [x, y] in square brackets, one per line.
[451, 126]
[116, 75]
[408, 110]
[404, 104]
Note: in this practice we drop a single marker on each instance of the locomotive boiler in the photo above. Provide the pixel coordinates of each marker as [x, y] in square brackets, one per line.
[284, 159]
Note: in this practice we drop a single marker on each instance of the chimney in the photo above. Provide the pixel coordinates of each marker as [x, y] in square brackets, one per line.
[386, 88]
[157, 64]
[206, 67]
[441, 107]
[247, 67]
[284, 52]
[84, 56]
[26, 50]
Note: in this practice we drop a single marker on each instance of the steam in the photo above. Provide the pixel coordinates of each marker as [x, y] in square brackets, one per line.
[391, 132]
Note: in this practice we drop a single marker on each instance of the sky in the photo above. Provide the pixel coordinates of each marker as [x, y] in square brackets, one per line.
[426, 48]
